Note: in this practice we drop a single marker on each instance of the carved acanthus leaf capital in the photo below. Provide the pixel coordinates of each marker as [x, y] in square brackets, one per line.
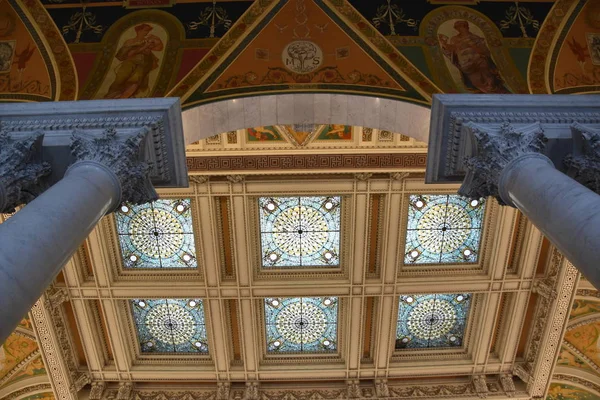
[97, 390]
[381, 388]
[125, 391]
[21, 169]
[122, 157]
[480, 385]
[353, 389]
[251, 392]
[508, 384]
[223, 390]
[584, 164]
[496, 148]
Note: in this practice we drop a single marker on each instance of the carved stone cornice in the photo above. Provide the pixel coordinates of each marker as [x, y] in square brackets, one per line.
[29, 389]
[122, 157]
[353, 389]
[21, 169]
[480, 385]
[97, 390]
[496, 149]
[55, 297]
[251, 392]
[550, 322]
[125, 391]
[584, 164]
[381, 388]
[223, 390]
[543, 289]
[508, 384]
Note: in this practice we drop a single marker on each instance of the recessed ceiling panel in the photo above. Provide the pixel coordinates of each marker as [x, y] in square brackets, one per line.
[157, 235]
[443, 229]
[300, 231]
[301, 324]
[432, 320]
[170, 325]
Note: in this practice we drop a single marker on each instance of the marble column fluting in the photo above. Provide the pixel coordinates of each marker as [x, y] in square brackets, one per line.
[565, 211]
[40, 238]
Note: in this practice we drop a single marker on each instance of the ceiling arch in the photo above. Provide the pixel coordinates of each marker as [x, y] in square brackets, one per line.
[210, 119]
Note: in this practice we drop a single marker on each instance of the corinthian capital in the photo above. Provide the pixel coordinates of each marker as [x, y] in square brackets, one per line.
[584, 164]
[21, 169]
[496, 148]
[122, 157]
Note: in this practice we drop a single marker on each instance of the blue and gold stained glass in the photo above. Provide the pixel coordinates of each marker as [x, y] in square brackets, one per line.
[301, 324]
[170, 325]
[300, 231]
[157, 235]
[443, 229]
[432, 320]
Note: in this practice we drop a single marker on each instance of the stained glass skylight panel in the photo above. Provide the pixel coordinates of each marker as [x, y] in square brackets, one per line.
[301, 324]
[300, 231]
[157, 235]
[170, 325]
[443, 229]
[432, 320]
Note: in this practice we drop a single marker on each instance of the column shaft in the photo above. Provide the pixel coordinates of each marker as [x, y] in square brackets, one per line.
[565, 211]
[39, 239]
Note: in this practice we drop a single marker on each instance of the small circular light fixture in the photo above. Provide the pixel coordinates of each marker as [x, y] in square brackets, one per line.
[453, 338]
[327, 302]
[124, 208]
[142, 303]
[419, 203]
[275, 303]
[414, 254]
[467, 252]
[326, 342]
[180, 208]
[198, 344]
[187, 257]
[474, 203]
[328, 255]
[133, 258]
[328, 205]
[460, 297]
[273, 257]
[409, 299]
[277, 343]
[193, 303]
[149, 344]
[405, 340]
[270, 206]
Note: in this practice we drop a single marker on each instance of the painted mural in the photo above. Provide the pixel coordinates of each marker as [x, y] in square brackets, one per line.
[335, 132]
[142, 60]
[40, 396]
[14, 350]
[582, 308]
[586, 339]
[577, 53]
[560, 391]
[23, 71]
[566, 358]
[470, 47]
[262, 134]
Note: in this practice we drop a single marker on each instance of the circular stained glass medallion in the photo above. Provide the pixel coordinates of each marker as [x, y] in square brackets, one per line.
[170, 323]
[301, 322]
[156, 233]
[442, 228]
[300, 236]
[431, 318]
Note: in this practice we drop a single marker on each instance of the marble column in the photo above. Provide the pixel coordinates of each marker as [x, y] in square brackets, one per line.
[510, 166]
[39, 239]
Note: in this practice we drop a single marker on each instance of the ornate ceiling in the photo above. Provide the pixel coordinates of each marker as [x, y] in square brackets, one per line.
[381, 298]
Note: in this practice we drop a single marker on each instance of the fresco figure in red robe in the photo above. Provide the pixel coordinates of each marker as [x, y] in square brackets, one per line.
[471, 55]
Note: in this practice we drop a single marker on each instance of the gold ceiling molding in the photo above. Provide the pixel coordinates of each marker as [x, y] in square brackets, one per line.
[578, 381]
[582, 356]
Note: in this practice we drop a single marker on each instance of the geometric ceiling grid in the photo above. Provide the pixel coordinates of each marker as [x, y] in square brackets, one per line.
[157, 234]
[300, 232]
[432, 320]
[170, 325]
[443, 229]
[301, 324]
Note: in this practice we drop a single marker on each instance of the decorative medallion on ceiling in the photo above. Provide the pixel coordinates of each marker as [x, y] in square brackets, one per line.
[432, 320]
[157, 235]
[443, 229]
[301, 324]
[300, 232]
[170, 325]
